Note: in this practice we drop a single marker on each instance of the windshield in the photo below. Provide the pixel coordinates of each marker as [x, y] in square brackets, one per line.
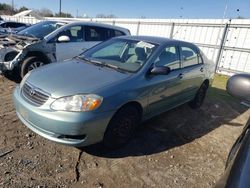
[124, 54]
[41, 29]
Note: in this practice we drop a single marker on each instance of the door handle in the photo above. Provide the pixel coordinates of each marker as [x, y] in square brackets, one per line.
[180, 76]
[201, 69]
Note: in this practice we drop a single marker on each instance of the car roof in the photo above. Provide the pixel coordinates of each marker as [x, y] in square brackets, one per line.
[153, 39]
[75, 23]
[97, 24]
[53, 21]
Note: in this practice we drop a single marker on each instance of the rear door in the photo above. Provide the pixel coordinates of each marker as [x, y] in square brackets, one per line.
[192, 69]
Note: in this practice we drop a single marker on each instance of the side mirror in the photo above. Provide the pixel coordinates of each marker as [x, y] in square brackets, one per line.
[239, 86]
[63, 38]
[160, 70]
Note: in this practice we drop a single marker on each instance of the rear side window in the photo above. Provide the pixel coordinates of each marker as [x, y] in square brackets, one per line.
[93, 33]
[189, 55]
[169, 57]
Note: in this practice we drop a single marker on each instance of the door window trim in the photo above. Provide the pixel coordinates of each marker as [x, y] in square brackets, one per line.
[195, 49]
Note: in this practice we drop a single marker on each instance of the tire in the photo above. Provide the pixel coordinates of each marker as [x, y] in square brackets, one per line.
[121, 127]
[14, 75]
[199, 97]
[29, 64]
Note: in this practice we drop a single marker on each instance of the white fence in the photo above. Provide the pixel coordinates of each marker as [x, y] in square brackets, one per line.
[227, 42]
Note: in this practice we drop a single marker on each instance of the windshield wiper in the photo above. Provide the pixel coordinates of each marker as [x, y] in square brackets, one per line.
[114, 67]
[98, 63]
[101, 64]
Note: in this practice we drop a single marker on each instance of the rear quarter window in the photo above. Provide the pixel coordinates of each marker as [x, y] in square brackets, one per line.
[118, 33]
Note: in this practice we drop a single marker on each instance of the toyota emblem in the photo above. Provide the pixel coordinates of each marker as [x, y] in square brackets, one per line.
[32, 92]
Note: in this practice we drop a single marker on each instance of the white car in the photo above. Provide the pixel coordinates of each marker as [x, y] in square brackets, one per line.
[51, 41]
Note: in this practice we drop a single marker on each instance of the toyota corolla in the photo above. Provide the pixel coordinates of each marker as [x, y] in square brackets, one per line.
[105, 93]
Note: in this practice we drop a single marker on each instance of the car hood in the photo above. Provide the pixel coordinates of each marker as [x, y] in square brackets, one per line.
[73, 77]
[10, 40]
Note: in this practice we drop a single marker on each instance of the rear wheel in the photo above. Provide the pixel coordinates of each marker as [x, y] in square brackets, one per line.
[121, 127]
[29, 64]
[199, 97]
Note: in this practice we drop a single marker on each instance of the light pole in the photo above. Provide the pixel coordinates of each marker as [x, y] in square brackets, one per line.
[12, 4]
[60, 8]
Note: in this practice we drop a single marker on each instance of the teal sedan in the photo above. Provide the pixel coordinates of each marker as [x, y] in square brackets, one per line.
[106, 92]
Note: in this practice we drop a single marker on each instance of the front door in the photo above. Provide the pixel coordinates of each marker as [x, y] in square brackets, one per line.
[165, 90]
[72, 48]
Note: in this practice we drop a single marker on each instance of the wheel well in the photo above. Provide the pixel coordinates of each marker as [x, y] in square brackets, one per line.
[10, 56]
[40, 55]
[206, 82]
[135, 104]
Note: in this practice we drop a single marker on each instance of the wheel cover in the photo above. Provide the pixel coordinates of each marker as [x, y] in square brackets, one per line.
[124, 128]
[35, 65]
[201, 96]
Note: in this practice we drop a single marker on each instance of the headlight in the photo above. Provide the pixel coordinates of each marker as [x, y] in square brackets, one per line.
[77, 103]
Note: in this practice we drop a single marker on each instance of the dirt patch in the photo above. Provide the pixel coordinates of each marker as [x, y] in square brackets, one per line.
[180, 148]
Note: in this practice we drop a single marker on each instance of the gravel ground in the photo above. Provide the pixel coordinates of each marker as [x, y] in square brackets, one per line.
[180, 148]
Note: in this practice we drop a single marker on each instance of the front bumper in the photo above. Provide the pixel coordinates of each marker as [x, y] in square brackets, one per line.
[5, 66]
[9, 65]
[70, 128]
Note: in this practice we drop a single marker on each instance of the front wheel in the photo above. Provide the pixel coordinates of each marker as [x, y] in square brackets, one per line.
[29, 64]
[121, 127]
[199, 97]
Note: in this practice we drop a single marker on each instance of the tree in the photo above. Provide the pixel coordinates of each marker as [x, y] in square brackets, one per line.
[105, 16]
[240, 17]
[64, 15]
[45, 12]
[6, 9]
[23, 8]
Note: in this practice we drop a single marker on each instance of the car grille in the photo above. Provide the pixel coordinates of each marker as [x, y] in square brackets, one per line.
[34, 95]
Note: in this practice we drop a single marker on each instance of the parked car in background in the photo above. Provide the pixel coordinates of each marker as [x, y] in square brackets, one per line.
[12, 27]
[1, 19]
[103, 94]
[51, 41]
[238, 162]
[16, 48]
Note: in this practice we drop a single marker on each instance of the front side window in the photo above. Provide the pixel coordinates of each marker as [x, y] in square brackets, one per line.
[128, 55]
[190, 56]
[75, 33]
[169, 57]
